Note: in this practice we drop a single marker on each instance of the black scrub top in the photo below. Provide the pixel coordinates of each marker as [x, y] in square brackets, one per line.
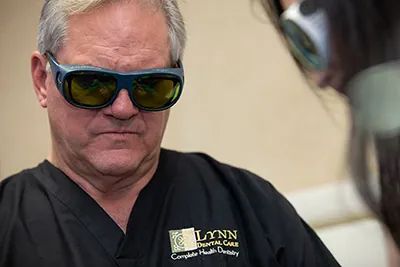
[194, 212]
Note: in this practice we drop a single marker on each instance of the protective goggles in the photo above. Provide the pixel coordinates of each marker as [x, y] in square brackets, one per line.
[95, 88]
[306, 30]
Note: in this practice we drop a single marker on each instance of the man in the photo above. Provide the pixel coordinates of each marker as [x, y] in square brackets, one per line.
[108, 72]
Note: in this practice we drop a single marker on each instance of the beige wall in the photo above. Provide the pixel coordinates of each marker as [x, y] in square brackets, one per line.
[244, 102]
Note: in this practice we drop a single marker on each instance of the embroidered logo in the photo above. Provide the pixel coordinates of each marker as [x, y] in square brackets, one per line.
[190, 243]
[183, 240]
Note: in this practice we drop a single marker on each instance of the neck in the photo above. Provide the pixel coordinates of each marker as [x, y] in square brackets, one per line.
[104, 188]
[115, 195]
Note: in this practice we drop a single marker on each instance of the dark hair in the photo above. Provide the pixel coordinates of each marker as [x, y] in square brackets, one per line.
[365, 33]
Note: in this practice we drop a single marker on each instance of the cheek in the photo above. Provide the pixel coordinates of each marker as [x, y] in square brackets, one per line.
[156, 123]
[66, 121]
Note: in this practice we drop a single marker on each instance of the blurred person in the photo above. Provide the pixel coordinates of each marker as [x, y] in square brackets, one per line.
[108, 73]
[353, 47]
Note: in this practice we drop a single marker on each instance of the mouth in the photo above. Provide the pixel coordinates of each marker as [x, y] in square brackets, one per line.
[119, 132]
[118, 135]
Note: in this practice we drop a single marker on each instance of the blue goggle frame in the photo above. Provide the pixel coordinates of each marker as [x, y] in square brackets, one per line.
[124, 80]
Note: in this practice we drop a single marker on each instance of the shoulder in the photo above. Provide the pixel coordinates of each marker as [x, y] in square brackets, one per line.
[16, 190]
[256, 198]
[242, 182]
[256, 192]
[12, 189]
[202, 162]
[16, 183]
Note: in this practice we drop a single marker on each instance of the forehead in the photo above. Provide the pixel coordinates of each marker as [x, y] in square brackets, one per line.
[118, 36]
[286, 3]
[125, 23]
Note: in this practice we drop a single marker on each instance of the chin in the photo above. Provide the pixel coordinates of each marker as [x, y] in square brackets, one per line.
[117, 163]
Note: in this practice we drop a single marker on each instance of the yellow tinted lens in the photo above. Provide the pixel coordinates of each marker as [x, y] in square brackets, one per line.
[156, 92]
[90, 89]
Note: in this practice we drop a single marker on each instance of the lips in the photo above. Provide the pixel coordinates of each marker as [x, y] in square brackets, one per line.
[119, 132]
[114, 128]
[118, 136]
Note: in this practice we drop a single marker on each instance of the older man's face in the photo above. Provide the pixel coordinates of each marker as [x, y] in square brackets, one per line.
[124, 37]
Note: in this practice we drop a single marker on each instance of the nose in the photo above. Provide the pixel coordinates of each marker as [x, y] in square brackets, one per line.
[122, 108]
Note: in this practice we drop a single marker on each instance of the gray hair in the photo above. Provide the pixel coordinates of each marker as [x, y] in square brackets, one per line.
[53, 23]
